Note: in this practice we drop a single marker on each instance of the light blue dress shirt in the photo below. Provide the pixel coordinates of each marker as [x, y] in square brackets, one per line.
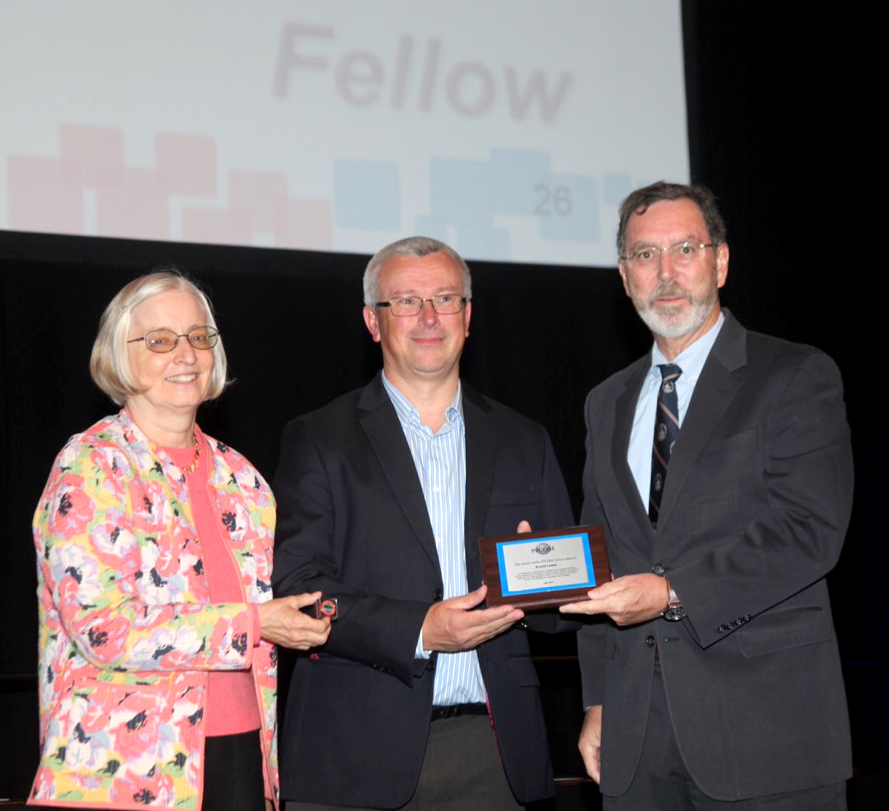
[440, 459]
[691, 360]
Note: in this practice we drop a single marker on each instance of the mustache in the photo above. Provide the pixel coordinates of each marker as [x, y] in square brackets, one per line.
[668, 289]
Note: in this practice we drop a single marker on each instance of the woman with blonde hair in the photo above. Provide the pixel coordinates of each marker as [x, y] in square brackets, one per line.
[154, 547]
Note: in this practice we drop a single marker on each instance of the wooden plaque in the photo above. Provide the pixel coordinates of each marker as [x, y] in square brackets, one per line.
[536, 570]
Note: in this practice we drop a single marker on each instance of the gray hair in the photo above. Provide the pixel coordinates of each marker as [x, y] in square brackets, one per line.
[410, 246]
[109, 361]
[639, 201]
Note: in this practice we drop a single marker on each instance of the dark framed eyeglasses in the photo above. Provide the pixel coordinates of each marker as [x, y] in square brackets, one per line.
[165, 340]
[444, 304]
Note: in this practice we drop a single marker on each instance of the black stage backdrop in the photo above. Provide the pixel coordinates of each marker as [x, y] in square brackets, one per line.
[541, 337]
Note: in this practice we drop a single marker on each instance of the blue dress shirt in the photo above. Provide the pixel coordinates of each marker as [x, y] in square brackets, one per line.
[691, 360]
[440, 459]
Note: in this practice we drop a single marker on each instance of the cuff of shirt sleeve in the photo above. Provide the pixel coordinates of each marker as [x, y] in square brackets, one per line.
[420, 652]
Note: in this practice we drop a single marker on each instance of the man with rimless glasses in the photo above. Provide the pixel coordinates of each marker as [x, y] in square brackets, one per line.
[421, 698]
[720, 466]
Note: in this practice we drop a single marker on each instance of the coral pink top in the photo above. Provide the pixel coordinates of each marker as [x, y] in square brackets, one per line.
[231, 697]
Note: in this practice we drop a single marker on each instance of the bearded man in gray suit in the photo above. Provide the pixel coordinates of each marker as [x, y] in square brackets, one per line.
[711, 677]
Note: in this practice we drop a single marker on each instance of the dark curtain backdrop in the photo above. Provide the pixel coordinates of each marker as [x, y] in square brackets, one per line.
[540, 336]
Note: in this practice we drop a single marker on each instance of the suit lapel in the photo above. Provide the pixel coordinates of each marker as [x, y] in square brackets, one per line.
[481, 452]
[713, 393]
[624, 411]
[380, 423]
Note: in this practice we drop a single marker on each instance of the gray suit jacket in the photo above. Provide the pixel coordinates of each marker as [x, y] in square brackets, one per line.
[353, 522]
[753, 516]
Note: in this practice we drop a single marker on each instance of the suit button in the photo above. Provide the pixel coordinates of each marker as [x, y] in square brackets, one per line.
[649, 640]
[658, 569]
[523, 624]
[721, 629]
[437, 595]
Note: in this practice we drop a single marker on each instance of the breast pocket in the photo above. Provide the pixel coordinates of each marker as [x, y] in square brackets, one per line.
[725, 486]
[729, 452]
[507, 507]
[513, 497]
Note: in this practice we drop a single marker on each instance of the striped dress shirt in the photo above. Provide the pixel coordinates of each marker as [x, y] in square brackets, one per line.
[440, 459]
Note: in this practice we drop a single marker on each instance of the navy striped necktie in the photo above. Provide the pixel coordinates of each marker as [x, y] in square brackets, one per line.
[666, 432]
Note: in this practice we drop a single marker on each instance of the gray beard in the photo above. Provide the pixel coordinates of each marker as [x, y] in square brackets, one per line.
[667, 321]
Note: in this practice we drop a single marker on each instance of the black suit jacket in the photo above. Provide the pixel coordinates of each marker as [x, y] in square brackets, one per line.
[352, 522]
[753, 516]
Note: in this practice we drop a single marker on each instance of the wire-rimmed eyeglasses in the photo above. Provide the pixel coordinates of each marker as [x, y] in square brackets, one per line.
[165, 340]
[681, 253]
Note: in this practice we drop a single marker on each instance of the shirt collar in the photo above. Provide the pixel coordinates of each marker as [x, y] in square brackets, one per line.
[409, 416]
[691, 359]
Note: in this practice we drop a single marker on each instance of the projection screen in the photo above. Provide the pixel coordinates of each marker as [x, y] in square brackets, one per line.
[509, 128]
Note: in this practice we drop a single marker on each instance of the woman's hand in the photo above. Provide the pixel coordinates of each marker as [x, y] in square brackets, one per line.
[282, 622]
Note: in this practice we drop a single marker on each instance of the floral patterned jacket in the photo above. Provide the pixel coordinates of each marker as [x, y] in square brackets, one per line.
[127, 632]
